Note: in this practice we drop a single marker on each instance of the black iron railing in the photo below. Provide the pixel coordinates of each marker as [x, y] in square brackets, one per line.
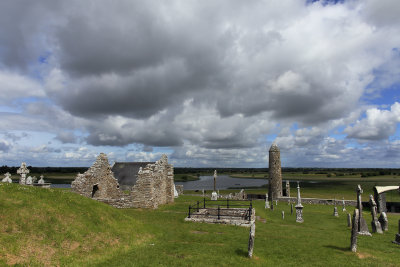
[223, 208]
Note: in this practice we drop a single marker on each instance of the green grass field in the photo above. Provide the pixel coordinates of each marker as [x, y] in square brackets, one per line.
[47, 227]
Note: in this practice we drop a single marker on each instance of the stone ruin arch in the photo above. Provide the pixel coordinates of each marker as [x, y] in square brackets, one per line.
[380, 196]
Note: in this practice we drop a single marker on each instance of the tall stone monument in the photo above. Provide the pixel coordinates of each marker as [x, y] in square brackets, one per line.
[299, 206]
[362, 224]
[376, 225]
[23, 171]
[214, 195]
[275, 173]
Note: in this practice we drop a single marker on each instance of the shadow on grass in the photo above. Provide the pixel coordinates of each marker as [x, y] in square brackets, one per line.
[241, 252]
[338, 248]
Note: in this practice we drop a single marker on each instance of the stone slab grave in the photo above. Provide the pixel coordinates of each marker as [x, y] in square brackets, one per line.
[223, 212]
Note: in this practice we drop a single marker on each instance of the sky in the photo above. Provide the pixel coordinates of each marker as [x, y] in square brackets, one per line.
[209, 83]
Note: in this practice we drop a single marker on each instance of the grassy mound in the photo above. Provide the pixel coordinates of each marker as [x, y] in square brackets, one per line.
[56, 227]
[40, 227]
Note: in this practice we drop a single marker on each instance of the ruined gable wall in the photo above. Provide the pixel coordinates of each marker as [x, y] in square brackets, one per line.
[154, 185]
[99, 174]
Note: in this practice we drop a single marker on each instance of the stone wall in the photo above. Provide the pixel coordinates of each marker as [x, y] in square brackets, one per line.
[154, 185]
[275, 173]
[98, 181]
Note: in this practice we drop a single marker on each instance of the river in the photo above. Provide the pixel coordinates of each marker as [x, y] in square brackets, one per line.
[223, 182]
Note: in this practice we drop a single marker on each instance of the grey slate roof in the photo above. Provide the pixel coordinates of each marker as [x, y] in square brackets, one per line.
[126, 172]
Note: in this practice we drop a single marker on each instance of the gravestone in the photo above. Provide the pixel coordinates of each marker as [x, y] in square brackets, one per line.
[299, 206]
[362, 224]
[266, 202]
[287, 189]
[348, 220]
[397, 240]
[283, 214]
[272, 205]
[376, 225]
[41, 181]
[214, 196]
[276, 202]
[291, 209]
[344, 205]
[23, 171]
[354, 231]
[335, 212]
[29, 180]
[252, 235]
[7, 178]
[384, 221]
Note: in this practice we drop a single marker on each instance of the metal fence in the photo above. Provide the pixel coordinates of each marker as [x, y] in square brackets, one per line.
[223, 208]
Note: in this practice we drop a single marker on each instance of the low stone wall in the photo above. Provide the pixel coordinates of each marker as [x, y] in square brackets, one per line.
[319, 201]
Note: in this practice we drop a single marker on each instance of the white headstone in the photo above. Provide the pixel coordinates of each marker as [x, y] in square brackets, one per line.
[29, 180]
[175, 192]
[41, 181]
[214, 196]
[7, 178]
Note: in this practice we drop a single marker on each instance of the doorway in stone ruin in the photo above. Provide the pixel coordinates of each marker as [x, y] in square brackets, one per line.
[95, 189]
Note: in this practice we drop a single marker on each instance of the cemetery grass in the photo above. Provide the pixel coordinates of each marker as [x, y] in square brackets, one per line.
[42, 227]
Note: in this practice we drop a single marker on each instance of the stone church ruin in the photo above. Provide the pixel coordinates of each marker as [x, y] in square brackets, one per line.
[150, 184]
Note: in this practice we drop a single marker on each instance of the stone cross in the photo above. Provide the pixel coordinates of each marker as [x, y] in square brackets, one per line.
[7, 178]
[266, 202]
[252, 235]
[23, 171]
[362, 224]
[299, 207]
[215, 180]
[354, 231]
[376, 225]
[41, 181]
[344, 205]
[384, 221]
[397, 240]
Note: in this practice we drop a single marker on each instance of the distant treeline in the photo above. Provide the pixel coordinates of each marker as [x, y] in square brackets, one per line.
[364, 172]
[13, 170]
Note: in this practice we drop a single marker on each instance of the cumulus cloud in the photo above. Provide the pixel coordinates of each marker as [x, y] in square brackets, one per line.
[209, 77]
[377, 125]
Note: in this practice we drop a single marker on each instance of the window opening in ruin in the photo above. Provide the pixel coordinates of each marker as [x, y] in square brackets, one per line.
[95, 189]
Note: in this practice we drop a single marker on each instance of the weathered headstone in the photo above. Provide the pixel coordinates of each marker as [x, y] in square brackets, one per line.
[291, 209]
[344, 205]
[266, 202]
[276, 202]
[252, 235]
[335, 212]
[376, 225]
[7, 178]
[283, 214]
[397, 240]
[23, 171]
[287, 189]
[348, 220]
[384, 221]
[362, 224]
[299, 206]
[354, 231]
[41, 180]
[29, 180]
[214, 196]
[202, 192]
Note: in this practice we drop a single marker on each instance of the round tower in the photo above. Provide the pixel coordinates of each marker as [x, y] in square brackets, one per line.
[275, 174]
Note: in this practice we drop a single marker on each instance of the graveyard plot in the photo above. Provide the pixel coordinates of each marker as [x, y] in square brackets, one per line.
[235, 212]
